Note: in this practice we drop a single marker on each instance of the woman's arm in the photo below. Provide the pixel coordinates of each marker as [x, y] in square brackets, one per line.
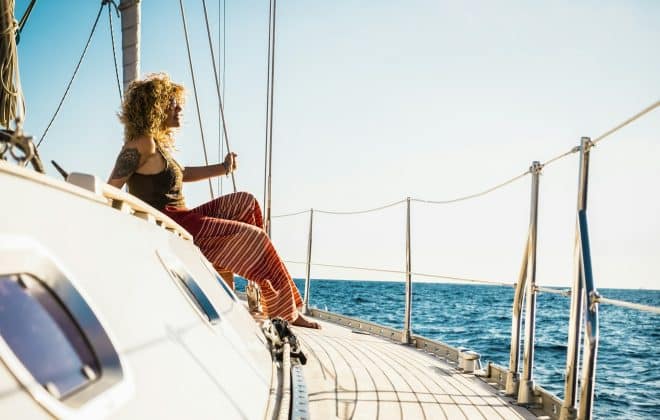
[132, 156]
[197, 173]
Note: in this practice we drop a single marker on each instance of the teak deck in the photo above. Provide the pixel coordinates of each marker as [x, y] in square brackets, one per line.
[353, 375]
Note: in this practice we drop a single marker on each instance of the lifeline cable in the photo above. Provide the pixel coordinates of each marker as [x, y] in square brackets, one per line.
[342, 213]
[433, 276]
[626, 122]
[475, 195]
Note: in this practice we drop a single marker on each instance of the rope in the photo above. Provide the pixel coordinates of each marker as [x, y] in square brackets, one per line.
[626, 122]
[192, 74]
[360, 211]
[291, 214]
[479, 194]
[11, 94]
[75, 72]
[630, 305]
[434, 276]
[217, 87]
[112, 39]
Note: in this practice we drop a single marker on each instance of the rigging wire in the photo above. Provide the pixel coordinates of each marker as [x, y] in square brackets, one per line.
[270, 13]
[112, 40]
[218, 90]
[269, 114]
[224, 72]
[222, 61]
[192, 74]
[75, 72]
[23, 20]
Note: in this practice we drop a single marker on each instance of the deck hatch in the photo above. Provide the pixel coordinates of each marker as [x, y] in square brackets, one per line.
[33, 319]
[190, 286]
[217, 276]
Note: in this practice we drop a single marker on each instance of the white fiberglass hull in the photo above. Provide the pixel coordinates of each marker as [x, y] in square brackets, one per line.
[174, 363]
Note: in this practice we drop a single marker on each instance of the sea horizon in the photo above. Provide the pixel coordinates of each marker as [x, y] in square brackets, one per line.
[302, 279]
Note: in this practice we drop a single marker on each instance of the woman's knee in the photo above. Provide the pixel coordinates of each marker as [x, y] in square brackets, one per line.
[246, 196]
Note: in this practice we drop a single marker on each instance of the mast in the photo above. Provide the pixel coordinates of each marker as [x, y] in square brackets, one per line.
[130, 30]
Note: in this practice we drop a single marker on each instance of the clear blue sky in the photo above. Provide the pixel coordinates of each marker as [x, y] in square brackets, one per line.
[379, 100]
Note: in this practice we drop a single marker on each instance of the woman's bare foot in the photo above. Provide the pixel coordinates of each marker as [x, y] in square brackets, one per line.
[302, 322]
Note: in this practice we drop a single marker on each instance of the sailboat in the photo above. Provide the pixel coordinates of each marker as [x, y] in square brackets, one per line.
[95, 326]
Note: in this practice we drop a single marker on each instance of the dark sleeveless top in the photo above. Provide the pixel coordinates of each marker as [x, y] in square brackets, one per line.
[161, 189]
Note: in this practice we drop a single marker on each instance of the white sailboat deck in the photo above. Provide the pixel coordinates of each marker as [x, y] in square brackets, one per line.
[355, 375]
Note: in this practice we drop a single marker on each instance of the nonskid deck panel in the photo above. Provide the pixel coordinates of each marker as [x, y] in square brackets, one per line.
[353, 375]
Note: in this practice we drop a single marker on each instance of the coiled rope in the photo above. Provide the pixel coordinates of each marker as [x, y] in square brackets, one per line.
[73, 76]
[217, 88]
[12, 104]
[192, 74]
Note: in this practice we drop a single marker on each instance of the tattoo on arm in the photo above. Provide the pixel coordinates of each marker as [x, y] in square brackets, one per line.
[127, 163]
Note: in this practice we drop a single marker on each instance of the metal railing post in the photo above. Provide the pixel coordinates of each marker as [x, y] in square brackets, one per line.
[526, 386]
[406, 322]
[577, 295]
[512, 377]
[590, 349]
[309, 262]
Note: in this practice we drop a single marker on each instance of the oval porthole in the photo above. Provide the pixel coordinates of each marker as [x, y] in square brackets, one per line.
[51, 340]
[44, 337]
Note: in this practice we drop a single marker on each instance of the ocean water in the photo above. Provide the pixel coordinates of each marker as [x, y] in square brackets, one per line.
[479, 318]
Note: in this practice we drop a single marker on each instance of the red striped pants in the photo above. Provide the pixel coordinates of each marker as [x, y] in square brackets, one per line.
[229, 232]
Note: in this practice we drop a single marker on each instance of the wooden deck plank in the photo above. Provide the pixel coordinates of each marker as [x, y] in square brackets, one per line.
[477, 393]
[362, 376]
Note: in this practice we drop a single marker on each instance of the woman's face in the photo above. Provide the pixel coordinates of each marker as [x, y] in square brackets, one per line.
[173, 119]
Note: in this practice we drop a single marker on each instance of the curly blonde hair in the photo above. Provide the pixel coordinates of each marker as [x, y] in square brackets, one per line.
[144, 109]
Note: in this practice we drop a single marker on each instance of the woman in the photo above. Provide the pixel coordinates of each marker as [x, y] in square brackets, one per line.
[229, 229]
